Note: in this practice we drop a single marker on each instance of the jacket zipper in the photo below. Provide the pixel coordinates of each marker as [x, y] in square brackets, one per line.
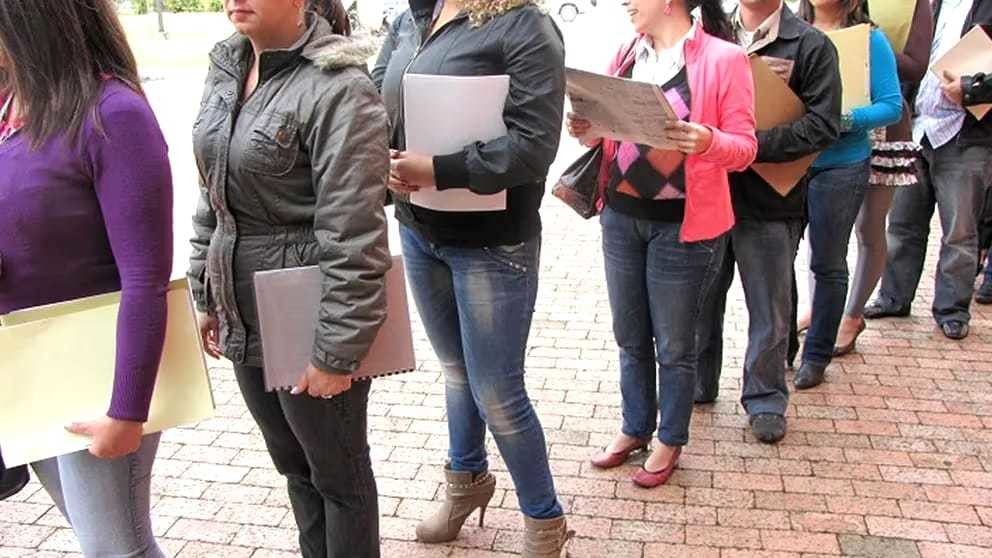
[421, 45]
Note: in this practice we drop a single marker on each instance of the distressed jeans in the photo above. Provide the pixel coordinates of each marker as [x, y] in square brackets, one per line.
[477, 305]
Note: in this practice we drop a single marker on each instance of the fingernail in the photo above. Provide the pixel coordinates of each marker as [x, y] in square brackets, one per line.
[295, 391]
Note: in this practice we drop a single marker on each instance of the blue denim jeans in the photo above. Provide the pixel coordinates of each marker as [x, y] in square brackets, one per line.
[765, 254]
[657, 286]
[834, 199]
[477, 305]
[105, 500]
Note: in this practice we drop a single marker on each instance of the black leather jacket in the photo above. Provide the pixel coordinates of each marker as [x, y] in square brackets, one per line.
[522, 42]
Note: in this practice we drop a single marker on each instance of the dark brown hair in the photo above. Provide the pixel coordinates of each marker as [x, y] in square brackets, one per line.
[716, 21]
[334, 12]
[58, 54]
[856, 10]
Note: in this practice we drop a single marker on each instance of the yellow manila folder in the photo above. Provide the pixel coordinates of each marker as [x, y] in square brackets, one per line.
[972, 55]
[854, 55]
[776, 105]
[57, 367]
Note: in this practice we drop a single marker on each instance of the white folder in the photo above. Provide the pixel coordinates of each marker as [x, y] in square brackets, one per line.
[443, 114]
[288, 304]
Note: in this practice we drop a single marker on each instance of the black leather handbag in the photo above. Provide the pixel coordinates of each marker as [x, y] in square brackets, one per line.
[578, 186]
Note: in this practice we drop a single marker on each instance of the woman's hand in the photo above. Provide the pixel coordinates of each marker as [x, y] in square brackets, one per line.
[690, 138]
[318, 383]
[112, 438]
[209, 334]
[579, 128]
[409, 172]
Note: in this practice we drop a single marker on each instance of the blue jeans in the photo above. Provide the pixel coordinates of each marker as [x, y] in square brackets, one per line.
[656, 286]
[106, 501]
[834, 199]
[477, 305]
[765, 254]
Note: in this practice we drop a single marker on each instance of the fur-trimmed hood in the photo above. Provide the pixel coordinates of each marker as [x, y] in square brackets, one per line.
[319, 44]
[334, 52]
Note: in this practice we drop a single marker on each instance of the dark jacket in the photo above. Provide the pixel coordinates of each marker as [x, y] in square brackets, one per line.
[977, 89]
[815, 78]
[294, 177]
[974, 131]
[522, 42]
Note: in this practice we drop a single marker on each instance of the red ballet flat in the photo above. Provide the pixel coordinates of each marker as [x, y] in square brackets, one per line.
[652, 479]
[610, 460]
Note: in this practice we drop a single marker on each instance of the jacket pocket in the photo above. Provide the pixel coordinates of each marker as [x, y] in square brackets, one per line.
[273, 148]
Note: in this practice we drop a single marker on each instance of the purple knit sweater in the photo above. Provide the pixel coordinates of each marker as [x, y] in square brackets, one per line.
[94, 218]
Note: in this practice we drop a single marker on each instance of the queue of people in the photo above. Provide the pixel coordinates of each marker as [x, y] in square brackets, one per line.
[300, 148]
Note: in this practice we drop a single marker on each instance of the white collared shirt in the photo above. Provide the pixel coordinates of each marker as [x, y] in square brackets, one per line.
[767, 28]
[938, 118]
[659, 68]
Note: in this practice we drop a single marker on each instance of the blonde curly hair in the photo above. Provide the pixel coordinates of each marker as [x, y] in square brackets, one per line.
[482, 11]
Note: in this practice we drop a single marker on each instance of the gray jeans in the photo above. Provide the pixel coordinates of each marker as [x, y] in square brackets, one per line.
[954, 179]
[105, 501]
[765, 253]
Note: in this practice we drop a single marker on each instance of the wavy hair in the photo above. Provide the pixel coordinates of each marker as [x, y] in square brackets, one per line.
[481, 11]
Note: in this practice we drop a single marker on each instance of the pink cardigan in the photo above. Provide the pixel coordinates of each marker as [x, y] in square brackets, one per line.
[722, 100]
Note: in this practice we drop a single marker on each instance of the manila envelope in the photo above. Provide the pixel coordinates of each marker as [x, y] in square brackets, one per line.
[972, 55]
[777, 105]
[58, 368]
[853, 52]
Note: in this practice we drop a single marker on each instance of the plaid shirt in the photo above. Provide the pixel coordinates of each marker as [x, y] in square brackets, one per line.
[939, 119]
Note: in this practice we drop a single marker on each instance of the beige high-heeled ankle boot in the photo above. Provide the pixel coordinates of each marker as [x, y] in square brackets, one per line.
[546, 538]
[464, 496]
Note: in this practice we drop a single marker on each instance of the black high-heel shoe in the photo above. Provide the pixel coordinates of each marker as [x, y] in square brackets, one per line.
[849, 348]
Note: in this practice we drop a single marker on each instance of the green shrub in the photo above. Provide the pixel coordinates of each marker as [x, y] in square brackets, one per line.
[179, 6]
[140, 6]
[215, 5]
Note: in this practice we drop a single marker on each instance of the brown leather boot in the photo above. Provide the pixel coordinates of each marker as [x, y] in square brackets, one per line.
[546, 538]
[465, 494]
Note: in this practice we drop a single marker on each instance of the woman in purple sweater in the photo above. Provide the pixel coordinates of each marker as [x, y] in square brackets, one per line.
[85, 208]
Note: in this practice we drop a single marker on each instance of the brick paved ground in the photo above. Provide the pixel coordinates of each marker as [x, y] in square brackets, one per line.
[891, 457]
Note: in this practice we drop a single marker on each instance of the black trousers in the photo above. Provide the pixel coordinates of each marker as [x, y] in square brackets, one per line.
[321, 447]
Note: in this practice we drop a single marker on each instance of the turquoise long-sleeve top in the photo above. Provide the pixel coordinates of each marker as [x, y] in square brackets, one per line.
[885, 108]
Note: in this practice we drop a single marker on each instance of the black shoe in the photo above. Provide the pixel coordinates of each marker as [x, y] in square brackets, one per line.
[768, 428]
[984, 294]
[954, 329]
[809, 375]
[702, 398]
[883, 308]
[13, 481]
